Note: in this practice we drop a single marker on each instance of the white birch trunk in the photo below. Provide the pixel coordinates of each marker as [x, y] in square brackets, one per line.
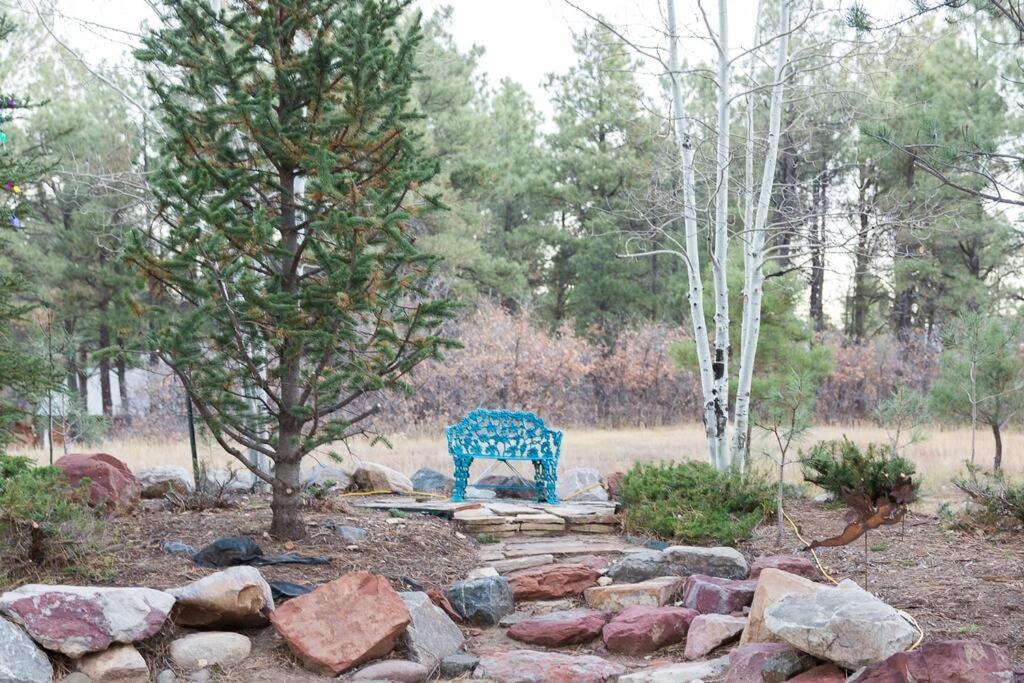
[755, 257]
[695, 288]
[720, 256]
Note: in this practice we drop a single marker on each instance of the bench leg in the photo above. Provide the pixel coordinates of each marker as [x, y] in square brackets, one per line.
[547, 481]
[461, 478]
[539, 481]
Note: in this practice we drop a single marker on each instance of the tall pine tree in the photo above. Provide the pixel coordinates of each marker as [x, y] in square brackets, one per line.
[287, 286]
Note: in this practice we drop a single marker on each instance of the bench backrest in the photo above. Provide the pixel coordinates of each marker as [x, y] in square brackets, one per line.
[516, 435]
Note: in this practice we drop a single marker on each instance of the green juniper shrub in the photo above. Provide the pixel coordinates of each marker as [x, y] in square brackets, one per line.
[692, 502]
[44, 522]
[836, 466]
[997, 499]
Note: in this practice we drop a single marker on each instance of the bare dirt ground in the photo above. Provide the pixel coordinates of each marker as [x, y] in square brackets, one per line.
[956, 584]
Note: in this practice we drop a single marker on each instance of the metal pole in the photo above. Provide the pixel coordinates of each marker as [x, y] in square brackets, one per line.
[192, 441]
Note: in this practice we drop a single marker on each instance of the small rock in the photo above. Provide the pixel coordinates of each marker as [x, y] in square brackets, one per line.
[167, 676]
[454, 666]
[158, 481]
[772, 585]
[654, 593]
[559, 628]
[236, 597]
[604, 581]
[432, 635]
[949, 661]
[711, 595]
[768, 662]
[638, 630]
[77, 620]
[581, 484]
[530, 666]
[824, 497]
[552, 581]
[177, 548]
[75, 677]
[482, 601]
[343, 623]
[327, 475]
[826, 673]
[349, 534]
[393, 671]
[111, 483]
[710, 631]
[371, 476]
[794, 564]
[477, 493]
[118, 664]
[844, 625]
[212, 648]
[20, 658]
[481, 572]
[427, 480]
[690, 672]
[514, 618]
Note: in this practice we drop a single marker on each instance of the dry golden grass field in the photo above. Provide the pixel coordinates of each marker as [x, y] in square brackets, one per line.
[939, 458]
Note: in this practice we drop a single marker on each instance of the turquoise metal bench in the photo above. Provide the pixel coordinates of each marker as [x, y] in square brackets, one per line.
[505, 435]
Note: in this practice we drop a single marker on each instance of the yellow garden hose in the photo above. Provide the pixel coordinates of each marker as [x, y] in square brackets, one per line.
[817, 560]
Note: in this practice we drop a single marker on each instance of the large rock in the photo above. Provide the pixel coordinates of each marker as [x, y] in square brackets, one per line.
[560, 628]
[710, 631]
[158, 481]
[330, 476]
[111, 483]
[552, 581]
[213, 648]
[772, 584]
[679, 560]
[689, 672]
[118, 664]
[949, 661]
[794, 564]
[844, 625]
[482, 601]
[768, 662]
[371, 476]
[530, 666]
[20, 659]
[427, 480]
[234, 481]
[653, 593]
[76, 620]
[711, 595]
[581, 484]
[392, 671]
[432, 635]
[638, 630]
[721, 562]
[823, 673]
[344, 623]
[237, 597]
[507, 486]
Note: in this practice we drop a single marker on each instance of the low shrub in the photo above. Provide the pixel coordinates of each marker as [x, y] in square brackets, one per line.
[838, 466]
[691, 502]
[997, 497]
[43, 520]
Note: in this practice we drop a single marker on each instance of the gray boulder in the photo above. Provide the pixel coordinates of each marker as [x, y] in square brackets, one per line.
[845, 625]
[21, 660]
[432, 481]
[679, 560]
[585, 479]
[482, 601]
[321, 475]
[454, 666]
[371, 476]
[158, 481]
[233, 481]
[349, 534]
[432, 635]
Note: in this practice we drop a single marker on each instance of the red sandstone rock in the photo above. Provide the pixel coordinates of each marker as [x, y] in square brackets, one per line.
[639, 629]
[346, 622]
[710, 594]
[111, 483]
[949, 661]
[552, 581]
[794, 564]
[766, 662]
[560, 628]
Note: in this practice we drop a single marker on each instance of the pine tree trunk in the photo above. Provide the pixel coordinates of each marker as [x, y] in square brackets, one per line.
[83, 377]
[106, 397]
[862, 261]
[997, 463]
[122, 385]
[816, 240]
[287, 522]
